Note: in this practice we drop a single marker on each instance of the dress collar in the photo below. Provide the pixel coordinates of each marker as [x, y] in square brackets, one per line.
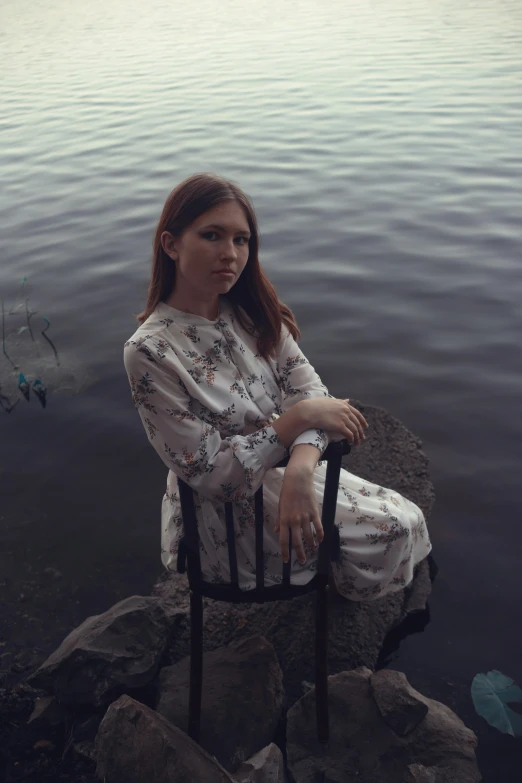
[180, 316]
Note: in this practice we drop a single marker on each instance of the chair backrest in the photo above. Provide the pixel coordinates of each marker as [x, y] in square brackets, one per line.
[189, 544]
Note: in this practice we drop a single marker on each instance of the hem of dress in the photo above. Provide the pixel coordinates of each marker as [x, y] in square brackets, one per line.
[390, 588]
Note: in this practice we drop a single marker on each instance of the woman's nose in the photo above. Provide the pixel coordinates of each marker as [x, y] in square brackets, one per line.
[230, 250]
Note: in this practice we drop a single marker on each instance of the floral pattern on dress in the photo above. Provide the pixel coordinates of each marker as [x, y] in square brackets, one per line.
[192, 333]
[205, 367]
[141, 345]
[207, 400]
[141, 390]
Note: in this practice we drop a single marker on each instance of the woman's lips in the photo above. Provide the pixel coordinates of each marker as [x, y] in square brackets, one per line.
[225, 273]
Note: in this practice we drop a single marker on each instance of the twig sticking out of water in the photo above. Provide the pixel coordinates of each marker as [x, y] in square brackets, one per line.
[29, 315]
[23, 281]
[9, 408]
[49, 340]
[3, 338]
[5, 403]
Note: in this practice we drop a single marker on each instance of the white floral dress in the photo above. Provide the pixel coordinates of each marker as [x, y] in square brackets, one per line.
[207, 400]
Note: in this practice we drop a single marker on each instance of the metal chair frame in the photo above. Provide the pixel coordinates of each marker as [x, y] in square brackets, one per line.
[189, 557]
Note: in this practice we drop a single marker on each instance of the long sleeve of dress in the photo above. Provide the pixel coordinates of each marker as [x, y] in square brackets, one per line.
[298, 380]
[222, 469]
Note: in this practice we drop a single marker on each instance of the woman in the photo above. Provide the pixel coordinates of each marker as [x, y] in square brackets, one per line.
[225, 393]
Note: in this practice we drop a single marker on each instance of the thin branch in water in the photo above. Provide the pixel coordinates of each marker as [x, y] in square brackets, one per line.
[5, 403]
[3, 338]
[9, 408]
[28, 316]
[23, 282]
[49, 340]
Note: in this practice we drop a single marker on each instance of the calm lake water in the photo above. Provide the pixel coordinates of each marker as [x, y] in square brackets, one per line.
[381, 143]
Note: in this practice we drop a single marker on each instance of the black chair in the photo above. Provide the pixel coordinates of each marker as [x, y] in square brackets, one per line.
[188, 555]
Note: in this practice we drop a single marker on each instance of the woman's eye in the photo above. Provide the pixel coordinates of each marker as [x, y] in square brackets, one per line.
[208, 234]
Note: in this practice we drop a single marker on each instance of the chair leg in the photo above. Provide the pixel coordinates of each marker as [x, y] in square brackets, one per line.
[321, 663]
[196, 664]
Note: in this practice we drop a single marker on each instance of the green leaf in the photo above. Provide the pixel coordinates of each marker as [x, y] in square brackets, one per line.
[496, 697]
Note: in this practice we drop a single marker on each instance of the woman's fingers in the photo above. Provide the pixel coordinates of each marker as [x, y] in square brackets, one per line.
[356, 425]
[297, 543]
[319, 532]
[361, 418]
[297, 530]
[357, 414]
[306, 527]
[285, 531]
[352, 432]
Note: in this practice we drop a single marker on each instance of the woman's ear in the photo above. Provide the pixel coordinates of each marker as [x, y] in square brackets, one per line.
[168, 244]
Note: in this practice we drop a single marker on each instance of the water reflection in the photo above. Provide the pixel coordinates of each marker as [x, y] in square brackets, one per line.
[414, 622]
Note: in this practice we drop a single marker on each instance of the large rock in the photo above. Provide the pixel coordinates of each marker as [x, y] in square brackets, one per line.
[136, 745]
[417, 773]
[454, 773]
[364, 748]
[391, 456]
[397, 701]
[107, 653]
[241, 703]
[267, 766]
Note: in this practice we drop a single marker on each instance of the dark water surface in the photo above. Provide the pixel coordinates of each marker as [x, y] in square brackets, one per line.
[381, 143]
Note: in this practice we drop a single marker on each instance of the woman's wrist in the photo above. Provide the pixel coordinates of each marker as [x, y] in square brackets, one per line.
[303, 406]
[304, 458]
[291, 424]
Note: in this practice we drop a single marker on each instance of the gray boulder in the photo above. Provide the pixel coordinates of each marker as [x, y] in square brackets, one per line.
[455, 773]
[365, 748]
[397, 701]
[107, 653]
[267, 766]
[241, 703]
[392, 456]
[417, 773]
[136, 745]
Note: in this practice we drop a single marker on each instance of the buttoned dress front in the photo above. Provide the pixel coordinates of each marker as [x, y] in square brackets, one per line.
[207, 400]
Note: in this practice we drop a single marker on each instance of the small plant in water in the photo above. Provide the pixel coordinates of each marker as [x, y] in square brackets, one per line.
[499, 700]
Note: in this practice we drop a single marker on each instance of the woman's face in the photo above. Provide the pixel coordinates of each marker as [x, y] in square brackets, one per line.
[217, 239]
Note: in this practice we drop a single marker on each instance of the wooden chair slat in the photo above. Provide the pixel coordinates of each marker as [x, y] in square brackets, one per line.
[259, 523]
[231, 544]
[288, 566]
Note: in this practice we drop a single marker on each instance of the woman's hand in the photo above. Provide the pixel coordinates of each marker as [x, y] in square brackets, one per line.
[329, 413]
[298, 512]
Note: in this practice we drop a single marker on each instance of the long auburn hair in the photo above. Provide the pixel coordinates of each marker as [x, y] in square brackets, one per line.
[253, 296]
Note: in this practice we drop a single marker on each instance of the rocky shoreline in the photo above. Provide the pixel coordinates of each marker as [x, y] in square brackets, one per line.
[111, 704]
[115, 665]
